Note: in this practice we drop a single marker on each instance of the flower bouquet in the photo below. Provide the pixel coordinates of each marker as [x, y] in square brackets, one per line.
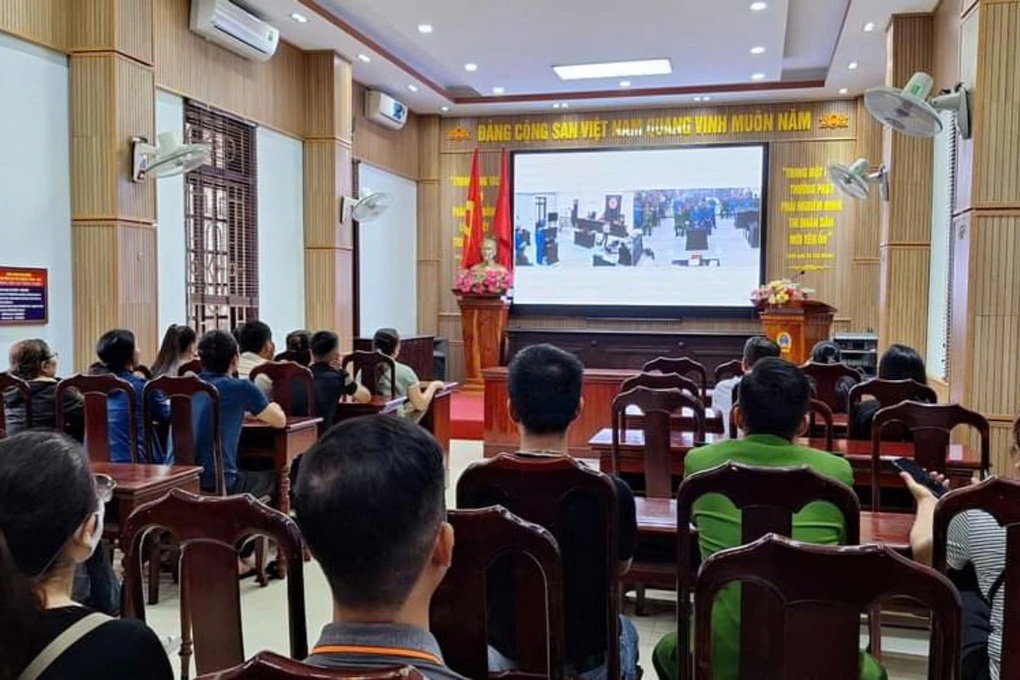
[488, 283]
[780, 293]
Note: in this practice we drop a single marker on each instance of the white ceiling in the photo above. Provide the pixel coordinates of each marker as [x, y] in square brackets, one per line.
[808, 44]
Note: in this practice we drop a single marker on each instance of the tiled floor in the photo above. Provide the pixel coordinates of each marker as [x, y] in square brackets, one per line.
[264, 610]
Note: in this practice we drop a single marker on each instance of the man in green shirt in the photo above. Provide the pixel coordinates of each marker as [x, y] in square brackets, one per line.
[771, 410]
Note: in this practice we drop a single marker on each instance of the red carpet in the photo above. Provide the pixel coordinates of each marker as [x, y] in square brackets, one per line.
[467, 417]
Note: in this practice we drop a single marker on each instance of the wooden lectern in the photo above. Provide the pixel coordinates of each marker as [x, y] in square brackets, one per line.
[798, 327]
[483, 320]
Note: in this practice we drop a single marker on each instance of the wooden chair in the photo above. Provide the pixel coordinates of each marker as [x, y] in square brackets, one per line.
[730, 369]
[209, 531]
[819, 592]
[826, 379]
[683, 366]
[767, 499]
[538, 489]
[370, 366]
[96, 391]
[930, 426]
[284, 376]
[143, 371]
[9, 381]
[298, 356]
[459, 605]
[886, 393]
[1000, 498]
[193, 366]
[662, 381]
[269, 666]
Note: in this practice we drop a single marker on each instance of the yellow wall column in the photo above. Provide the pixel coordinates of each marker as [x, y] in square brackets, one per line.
[430, 227]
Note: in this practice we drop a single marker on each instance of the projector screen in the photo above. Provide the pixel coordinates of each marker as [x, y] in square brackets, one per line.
[645, 228]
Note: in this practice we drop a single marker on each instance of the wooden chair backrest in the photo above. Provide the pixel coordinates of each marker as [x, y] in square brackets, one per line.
[821, 410]
[826, 379]
[820, 593]
[193, 366]
[96, 391]
[181, 393]
[657, 407]
[371, 366]
[209, 531]
[887, 393]
[284, 374]
[730, 369]
[298, 356]
[999, 498]
[537, 489]
[9, 381]
[683, 366]
[143, 371]
[270, 666]
[662, 381]
[931, 427]
[767, 499]
[459, 605]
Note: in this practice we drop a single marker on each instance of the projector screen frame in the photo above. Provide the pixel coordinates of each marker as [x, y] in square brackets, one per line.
[642, 312]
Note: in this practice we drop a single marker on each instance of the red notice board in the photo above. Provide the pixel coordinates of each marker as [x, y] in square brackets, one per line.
[23, 296]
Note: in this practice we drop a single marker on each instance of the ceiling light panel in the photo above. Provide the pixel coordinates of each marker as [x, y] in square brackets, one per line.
[614, 69]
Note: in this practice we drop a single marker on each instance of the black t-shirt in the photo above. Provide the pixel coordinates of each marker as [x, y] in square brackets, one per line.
[330, 384]
[583, 549]
[121, 649]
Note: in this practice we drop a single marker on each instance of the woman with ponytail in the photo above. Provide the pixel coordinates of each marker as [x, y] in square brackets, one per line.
[51, 520]
[178, 348]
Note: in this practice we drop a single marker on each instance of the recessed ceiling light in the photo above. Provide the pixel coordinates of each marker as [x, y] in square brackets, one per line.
[556, 105]
[471, 67]
[705, 99]
[757, 76]
[852, 66]
[758, 50]
[424, 28]
[869, 27]
[615, 69]
[498, 90]
[412, 88]
[444, 109]
[843, 90]
[624, 83]
[364, 58]
[565, 105]
[759, 6]
[300, 18]
[697, 99]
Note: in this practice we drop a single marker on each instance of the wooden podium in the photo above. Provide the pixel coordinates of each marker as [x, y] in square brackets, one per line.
[798, 327]
[483, 320]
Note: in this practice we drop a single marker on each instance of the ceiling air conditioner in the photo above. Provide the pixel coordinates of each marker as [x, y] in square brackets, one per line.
[236, 29]
[385, 110]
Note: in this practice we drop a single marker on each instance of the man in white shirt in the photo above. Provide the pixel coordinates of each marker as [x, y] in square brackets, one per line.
[756, 348]
[255, 340]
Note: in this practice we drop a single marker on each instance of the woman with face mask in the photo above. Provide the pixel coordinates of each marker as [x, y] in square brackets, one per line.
[51, 520]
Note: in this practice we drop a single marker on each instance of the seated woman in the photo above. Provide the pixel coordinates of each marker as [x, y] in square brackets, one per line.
[178, 348]
[899, 362]
[34, 362]
[419, 395]
[51, 520]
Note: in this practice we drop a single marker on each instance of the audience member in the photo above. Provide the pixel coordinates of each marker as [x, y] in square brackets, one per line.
[755, 348]
[299, 341]
[51, 520]
[771, 411]
[419, 395]
[331, 380]
[899, 362]
[256, 343]
[217, 351]
[828, 352]
[118, 355]
[545, 399]
[370, 501]
[34, 362]
[178, 348]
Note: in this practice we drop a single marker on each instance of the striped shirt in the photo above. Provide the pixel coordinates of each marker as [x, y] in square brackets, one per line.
[977, 538]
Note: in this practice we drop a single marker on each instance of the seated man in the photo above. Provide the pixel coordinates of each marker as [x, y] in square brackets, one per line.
[755, 348]
[771, 411]
[370, 502]
[217, 351]
[256, 342]
[331, 380]
[545, 399]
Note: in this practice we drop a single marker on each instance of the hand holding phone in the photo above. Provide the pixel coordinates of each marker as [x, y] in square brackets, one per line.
[919, 475]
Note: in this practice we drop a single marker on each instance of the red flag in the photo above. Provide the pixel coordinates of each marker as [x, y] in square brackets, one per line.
[501, 230]
[472, 254]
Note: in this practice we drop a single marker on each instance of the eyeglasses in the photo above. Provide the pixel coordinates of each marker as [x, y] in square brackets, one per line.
[105, 484]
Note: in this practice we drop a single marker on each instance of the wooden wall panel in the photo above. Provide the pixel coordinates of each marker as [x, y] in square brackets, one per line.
[135, 30]
[271, 93]
[947, 44]
[430, 231]
[43, 22]
[94, 27]
[329, 292]
[94, 166]
[137, 286]
[903, 296]
[396, 151]
[96, 294]
[868, 225]
[961, 332]
[136, 116]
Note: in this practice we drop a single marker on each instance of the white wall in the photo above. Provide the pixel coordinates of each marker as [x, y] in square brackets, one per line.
[35, 190]
[170, 236]
[281, 232]
[388, 257]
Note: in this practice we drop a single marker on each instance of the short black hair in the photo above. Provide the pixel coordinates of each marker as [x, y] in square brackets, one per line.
[386, 340]
[252, 336]
[216, 350]
[759, 347]
[116, 349]
[900, 362]
[369, 499]
[545, 388]
[774, 397]
[324, 343]
[298, 341]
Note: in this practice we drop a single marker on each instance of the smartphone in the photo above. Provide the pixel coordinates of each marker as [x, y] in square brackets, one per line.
[920, 475]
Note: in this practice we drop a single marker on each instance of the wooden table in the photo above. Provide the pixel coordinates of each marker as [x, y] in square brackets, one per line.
[437, 419]
[379, 405]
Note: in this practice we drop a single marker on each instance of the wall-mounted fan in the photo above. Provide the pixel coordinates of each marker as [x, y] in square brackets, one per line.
[368, 207]
[856, 180]
[913, 112]
[168, 158]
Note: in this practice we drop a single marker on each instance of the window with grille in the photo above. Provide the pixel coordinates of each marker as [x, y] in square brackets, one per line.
[221, 226]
